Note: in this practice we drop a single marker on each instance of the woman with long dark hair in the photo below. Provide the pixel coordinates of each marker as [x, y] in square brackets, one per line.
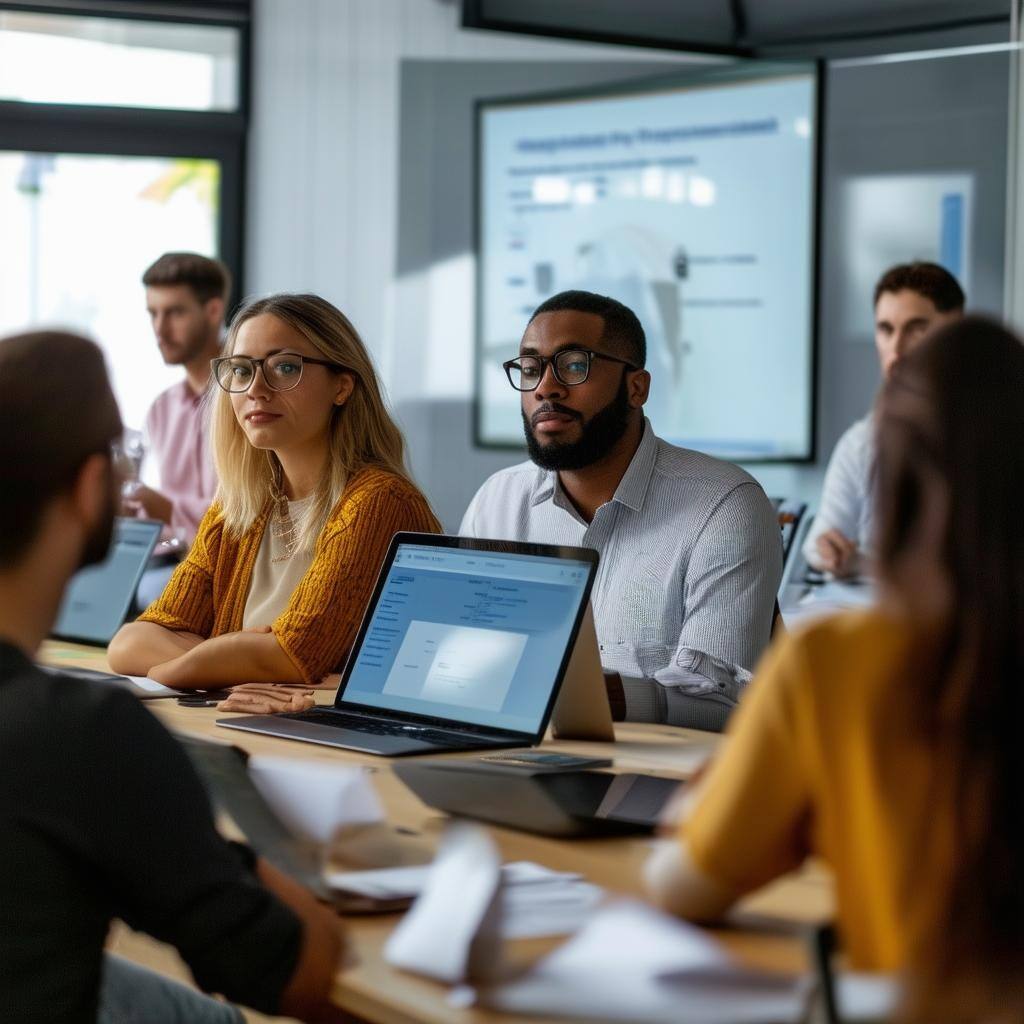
[887, 741]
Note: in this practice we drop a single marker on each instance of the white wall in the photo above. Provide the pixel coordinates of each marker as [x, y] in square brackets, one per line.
[323, 176]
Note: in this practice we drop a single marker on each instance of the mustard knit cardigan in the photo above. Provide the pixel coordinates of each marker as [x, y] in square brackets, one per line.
[207, 593]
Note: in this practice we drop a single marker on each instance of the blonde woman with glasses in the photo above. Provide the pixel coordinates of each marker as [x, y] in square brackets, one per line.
[313, 486]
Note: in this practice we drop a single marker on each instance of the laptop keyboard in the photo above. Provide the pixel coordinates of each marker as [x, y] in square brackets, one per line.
[339, 720]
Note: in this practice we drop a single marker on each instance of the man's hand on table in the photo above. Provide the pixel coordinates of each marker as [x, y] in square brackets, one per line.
[837, 554]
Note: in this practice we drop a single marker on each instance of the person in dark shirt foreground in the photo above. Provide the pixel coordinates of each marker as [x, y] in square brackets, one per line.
[101, 814]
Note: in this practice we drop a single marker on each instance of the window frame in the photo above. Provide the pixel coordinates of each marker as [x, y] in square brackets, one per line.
[137, 131]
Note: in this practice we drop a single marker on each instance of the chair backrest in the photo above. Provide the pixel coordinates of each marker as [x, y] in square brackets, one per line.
[778, 625]
[790, 514]
[847, 997]
[794, 524]
[823, 944]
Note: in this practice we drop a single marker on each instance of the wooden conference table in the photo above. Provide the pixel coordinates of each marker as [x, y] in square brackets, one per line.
[766, 930]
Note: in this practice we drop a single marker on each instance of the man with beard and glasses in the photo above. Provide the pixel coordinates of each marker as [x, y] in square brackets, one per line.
[186, 298]
[691, 554]
[101, 813]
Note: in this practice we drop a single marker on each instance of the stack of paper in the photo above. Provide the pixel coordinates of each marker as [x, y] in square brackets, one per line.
[537, 902]
[534, 900]
[633, 963]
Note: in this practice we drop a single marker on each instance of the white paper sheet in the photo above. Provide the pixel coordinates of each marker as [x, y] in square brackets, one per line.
[829, 598]
[633, 963]
[868, 996]
[152, 686]
[399, 882]
[314, 798]
[542, 909]
[451, 932]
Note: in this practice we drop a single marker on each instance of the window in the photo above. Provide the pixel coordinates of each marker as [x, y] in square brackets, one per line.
[78, 230]
[121, 137]
[118, 63]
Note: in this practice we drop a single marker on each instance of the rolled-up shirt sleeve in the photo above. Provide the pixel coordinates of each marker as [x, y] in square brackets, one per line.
[845, 494]
[729, 591]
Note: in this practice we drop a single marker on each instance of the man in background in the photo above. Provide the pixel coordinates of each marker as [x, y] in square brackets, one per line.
[186, 297]
[910, 300]
[691, 553]
[101, 813]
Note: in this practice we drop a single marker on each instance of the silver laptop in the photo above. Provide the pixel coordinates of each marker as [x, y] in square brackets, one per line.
[97, 599]
[463, 646]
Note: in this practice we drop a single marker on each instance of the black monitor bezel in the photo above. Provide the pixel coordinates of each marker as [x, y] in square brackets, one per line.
[737, 71]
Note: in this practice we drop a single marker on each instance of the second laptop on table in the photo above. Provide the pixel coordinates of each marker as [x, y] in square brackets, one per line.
[464, 646]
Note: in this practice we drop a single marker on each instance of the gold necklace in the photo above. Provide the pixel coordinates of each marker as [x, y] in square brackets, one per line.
[283, 529]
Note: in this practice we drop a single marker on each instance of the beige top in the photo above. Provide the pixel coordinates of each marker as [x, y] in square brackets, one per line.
[275, 576]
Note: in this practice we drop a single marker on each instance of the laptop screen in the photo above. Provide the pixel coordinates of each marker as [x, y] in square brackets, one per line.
[97, 598]
[472, 636]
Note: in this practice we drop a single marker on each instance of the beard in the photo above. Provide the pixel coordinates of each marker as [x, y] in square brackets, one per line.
[97, 540]
[177, 354]
[599, 435]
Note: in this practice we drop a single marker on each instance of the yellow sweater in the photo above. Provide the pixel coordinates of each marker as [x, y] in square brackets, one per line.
[207, 593]
[823, 759]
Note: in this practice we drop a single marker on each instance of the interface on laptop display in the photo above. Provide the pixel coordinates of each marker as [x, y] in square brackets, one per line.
[97, 599]
[472, 636]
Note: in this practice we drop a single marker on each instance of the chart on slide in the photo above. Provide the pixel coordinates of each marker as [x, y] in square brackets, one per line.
[691, 204]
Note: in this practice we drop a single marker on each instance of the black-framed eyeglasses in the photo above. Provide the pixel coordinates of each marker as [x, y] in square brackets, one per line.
[571, 366]
[282, 371]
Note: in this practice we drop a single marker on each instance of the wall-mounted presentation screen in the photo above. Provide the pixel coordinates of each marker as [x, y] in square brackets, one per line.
[693, 203]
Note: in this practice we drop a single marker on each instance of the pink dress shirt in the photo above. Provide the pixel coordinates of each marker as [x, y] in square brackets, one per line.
[179, 439]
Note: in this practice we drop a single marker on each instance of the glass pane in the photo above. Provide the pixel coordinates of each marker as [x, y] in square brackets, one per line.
[52, 58]
[78, 233]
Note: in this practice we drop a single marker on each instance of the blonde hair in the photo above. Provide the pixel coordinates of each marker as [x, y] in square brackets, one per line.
[361, 432]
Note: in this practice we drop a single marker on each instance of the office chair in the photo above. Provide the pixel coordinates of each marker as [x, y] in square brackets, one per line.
[879, 994]
[791, 515]
[793, 521]
[795, 567]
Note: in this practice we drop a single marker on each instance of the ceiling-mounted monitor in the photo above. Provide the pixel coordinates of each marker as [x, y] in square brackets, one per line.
[693, 201]
[740, 28]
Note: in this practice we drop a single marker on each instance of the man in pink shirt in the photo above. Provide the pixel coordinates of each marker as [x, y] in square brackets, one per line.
[186, 295]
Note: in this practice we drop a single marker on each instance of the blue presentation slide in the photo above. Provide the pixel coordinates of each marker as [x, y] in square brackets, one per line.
[468, 635]
[693, 205]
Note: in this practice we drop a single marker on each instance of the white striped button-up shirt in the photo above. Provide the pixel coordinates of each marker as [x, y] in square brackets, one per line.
[691, 559]
[847, 499]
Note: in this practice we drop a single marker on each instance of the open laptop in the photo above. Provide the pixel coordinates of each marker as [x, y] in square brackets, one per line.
[463, 646]
[97, 599]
